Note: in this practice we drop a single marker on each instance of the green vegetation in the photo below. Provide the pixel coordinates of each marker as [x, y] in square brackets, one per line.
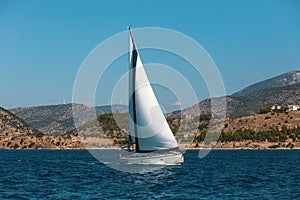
[200, 137]
[120, 141]
[269, 109]
[290, 145]
[273, 135]
[174, 129]
[204, 117]
[203, 126]
[114, 124]
[275, 146]
[264, 110]
[38, 134]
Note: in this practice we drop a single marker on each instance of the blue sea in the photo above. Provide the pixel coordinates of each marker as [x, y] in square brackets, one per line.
[238, 174]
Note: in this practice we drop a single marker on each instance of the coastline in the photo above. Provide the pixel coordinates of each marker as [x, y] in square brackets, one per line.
[75, 143]
[190, 148]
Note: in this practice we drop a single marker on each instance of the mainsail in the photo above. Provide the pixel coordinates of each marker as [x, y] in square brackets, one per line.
[149, 129]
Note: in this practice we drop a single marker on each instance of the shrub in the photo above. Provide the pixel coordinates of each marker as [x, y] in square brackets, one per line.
[31, 144]
[264, 110]
[290, 145]
[275, 146]
[205, 117]
[38, 134]
[16, 146]
[200, 137]
[203, 126]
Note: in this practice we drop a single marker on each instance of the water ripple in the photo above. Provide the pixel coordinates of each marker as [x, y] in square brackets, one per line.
[220, 175]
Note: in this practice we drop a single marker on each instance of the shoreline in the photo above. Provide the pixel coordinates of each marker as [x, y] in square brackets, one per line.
[192, 149]
[241, 145]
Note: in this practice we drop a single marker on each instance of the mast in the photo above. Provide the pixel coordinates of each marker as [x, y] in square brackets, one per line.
[133, 54]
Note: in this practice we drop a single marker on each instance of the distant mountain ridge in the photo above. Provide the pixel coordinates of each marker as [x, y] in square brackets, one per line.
[282, 90]
[289, 78]
[58, 119]
[249, 104]
[111, 108]
[52, 119]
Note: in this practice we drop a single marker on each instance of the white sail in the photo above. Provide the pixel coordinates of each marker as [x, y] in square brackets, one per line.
[148, 126]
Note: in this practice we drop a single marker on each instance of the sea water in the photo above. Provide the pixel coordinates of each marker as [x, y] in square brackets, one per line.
[235, 174]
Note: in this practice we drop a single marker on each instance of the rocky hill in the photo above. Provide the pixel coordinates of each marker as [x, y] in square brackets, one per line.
[17, 134]
[261, 131]
[286, 79]
[52, 119]
[249, 104]
[58, 119]
[264, 122]
[10, 124]
[109, 130]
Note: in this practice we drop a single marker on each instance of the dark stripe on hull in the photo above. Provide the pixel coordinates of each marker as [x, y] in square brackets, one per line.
[160, 151]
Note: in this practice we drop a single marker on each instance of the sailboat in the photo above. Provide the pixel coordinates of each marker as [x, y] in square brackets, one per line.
[151, 140]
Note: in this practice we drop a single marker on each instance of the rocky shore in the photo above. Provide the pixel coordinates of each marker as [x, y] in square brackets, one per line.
[44, 142]
[249, 145]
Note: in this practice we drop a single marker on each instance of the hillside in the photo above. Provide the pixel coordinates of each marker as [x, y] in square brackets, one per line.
[260, 131]
[264, 122]
[249, 104]
[286, 79]
[10, 124]
[109, 130]
[17, 134]
[53, 119]
[58, 119]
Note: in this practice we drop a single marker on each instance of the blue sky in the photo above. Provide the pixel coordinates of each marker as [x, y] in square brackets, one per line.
[43, 43]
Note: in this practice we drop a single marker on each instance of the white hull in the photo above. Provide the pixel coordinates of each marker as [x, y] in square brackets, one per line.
[170, 158]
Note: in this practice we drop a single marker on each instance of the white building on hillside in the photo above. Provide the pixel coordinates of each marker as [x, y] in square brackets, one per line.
[275, 107]
[293, 107]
